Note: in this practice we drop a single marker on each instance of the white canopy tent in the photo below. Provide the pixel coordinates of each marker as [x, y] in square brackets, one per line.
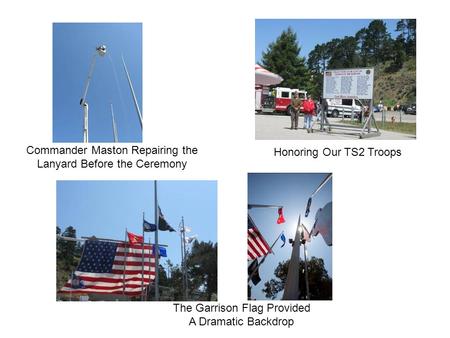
[265, 78]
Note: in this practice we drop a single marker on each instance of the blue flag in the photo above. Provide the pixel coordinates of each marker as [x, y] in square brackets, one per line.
[162, 251]
[283, 238]
[163, 225]
[149, 227]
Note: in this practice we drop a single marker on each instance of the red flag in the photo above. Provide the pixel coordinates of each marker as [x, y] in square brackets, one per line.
[135, 239]
[280, 216]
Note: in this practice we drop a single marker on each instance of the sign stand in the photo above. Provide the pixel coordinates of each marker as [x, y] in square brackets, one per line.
[366, 130]
[341, 83]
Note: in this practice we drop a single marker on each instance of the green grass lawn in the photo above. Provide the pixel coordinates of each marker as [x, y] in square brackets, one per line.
[399, 127]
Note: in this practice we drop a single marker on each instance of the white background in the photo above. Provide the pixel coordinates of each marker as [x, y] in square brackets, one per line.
[390, 272]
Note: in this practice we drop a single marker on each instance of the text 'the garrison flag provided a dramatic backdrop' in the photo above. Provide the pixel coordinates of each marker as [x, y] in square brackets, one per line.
[112, 268]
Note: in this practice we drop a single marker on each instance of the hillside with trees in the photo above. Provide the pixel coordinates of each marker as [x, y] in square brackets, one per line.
[68, 255]
[394, 60]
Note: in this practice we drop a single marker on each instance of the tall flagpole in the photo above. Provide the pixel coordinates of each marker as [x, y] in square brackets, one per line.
[306, 269]
[142, 260]
[85, 122]
[150, 245]
[125, 260]
[156, 251]
[184, 261]
[292, 287]
[182, 253]
[114, 125]
[83, 102]
[101, 51]
[138, 111]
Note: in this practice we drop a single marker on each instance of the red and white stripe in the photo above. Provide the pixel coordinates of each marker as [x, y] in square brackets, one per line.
[257, 245]
[127, 273]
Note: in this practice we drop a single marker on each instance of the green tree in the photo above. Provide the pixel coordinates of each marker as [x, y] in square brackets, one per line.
[335, 54]
[318, 60]
[202, 268]
[362, 52]
[398, 56]
[175, 281]
[411, 40]
[343, 53]
[283, 57]
[320, 284]
[201, 265]
[66, 249]
[68, 254]
[407, 30]
[376, 43]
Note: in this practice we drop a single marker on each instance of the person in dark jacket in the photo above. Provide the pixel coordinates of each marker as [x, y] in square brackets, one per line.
[295, 110]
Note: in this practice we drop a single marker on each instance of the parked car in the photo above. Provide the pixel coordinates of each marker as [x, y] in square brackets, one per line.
[411, 109]
[337, 107]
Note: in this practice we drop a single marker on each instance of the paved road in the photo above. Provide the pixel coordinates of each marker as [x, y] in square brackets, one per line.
[275, 127]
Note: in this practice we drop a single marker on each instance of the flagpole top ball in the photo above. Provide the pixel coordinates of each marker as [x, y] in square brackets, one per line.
[101, 50]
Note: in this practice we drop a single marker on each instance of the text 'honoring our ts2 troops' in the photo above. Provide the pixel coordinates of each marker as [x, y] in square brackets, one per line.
[338, 152]
[106, 157]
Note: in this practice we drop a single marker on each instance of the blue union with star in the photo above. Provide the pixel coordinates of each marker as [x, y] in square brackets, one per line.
[98, 257]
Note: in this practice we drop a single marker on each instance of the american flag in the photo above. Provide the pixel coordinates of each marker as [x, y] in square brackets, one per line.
[102, 269]
[257, 245]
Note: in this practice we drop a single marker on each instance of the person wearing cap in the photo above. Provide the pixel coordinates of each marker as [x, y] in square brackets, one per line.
[295, 110]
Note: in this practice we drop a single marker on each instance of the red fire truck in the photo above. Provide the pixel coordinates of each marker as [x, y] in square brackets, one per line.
[279, 100]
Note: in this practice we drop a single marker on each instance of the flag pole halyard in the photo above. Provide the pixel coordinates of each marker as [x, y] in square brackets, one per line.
[251, 206]
[156, 251]
[125, 261]
[114, 125]
[152, 248]
[306, 269]
[136, 105]
[292, 287]
[182, 252]
[142, 260]
[184, 261]
[320, 186]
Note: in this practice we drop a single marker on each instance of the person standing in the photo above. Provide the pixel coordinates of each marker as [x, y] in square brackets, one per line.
[318, 110]
[308, 110]
[380, 105]
[295, 110]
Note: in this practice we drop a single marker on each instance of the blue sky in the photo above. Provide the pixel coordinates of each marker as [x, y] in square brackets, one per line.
[292, 192]
[310, 32]
[73, 47]
[106, 208]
